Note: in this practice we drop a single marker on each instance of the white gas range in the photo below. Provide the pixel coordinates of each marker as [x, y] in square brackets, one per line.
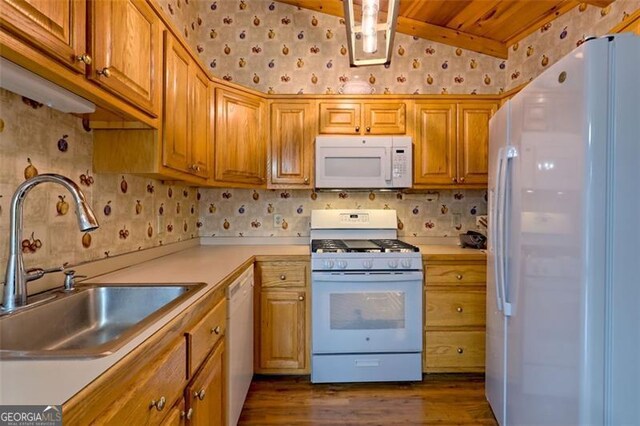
[366, 298]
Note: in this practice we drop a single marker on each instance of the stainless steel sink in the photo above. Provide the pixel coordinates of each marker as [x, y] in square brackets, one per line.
[91, 321]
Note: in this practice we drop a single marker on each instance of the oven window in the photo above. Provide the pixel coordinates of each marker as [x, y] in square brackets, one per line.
[344, 167]
[367, 310]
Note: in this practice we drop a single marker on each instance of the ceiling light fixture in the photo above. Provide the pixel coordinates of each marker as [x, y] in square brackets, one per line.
[370, 41]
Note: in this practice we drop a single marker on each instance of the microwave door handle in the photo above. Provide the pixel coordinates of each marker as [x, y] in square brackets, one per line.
[388, 165]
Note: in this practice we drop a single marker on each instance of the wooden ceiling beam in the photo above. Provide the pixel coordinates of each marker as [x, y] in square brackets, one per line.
[416, 28]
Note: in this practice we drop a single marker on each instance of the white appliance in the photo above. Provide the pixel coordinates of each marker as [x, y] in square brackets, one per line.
[563, 290]
[366, 291]
[378, 162]
[239, 360]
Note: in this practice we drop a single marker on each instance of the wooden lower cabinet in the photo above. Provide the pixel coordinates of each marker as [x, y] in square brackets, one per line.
[454, 316]
[177, 416]
[282, 318]
[205, 395]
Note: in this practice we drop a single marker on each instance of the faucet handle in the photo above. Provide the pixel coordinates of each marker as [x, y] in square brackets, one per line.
[70, 279]
[37, 273]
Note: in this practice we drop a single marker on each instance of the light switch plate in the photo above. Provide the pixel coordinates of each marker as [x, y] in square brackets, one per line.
[277, 220]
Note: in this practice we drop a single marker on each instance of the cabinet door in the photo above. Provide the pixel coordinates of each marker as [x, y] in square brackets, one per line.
[435, 143]
[176, 106]
[199, 122]
[340, 118]
[126, 50]
[282, 330]
[292, 136]
[473, 141]
[240, 147]
[205, 394]
[177, 415]
[57, 27]
[384, 118]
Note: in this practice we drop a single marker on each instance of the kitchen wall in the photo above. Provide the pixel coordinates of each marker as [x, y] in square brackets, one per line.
[278, 48]
[533, 54]
[134, 212]
[250, 213]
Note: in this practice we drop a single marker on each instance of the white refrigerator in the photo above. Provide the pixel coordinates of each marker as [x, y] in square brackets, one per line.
[563, 288]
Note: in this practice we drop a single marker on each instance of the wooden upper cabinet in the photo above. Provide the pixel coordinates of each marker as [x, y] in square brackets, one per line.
[186, 144]
[56, 27]
[435, 143]
[126, 46]
[362, 118]
[292, 136]
[386, 118]
[240, 142]
[473, 141]
[451, 143]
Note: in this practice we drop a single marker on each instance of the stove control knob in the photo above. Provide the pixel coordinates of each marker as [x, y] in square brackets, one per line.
[393, 263]
[328, 264]
[342, 264]
[367, 264]
[406, 263]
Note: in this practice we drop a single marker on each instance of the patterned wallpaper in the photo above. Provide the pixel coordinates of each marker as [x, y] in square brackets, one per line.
[278, 48]
[133, 212]
[533, 54]
[244, 213]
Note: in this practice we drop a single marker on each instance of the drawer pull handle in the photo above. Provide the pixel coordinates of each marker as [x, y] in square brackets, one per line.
[200, 394]
[215, 330]
[368, 129]
[460, 350]
[459, 276]
[159, 404]
[306, 181]
[459, 309]
[104, 72]
[187, 415]
[301, 298]
[283, 277]
[357, 128]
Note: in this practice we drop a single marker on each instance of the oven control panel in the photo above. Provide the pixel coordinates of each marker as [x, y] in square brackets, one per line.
[366, 262]
[354, 218]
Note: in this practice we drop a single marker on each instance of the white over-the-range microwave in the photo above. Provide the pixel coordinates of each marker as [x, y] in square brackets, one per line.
[375, 162]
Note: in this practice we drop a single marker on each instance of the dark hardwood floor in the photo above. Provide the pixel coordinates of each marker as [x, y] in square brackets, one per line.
[440, 399]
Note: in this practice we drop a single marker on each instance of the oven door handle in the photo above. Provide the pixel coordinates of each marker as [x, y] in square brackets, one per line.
[366, 276]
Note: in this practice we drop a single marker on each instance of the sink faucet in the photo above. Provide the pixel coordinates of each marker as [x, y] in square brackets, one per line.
[15, 285]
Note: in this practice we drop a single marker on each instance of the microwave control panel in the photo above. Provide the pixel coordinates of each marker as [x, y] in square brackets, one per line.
[400, 161]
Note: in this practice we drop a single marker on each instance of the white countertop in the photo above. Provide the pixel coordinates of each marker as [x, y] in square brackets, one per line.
[52, 382]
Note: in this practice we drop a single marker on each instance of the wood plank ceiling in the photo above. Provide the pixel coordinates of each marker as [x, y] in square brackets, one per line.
[485, 26]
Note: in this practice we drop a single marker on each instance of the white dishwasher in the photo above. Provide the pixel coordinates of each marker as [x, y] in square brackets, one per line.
[239, 353]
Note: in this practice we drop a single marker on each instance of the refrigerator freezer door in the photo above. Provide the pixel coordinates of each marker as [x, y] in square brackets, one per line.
[556, 132]
[496, 331]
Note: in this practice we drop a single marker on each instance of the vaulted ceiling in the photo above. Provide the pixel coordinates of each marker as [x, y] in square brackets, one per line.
[485, 26]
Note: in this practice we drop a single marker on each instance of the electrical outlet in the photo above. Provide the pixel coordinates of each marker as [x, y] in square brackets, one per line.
[456, 219]
[277, 220]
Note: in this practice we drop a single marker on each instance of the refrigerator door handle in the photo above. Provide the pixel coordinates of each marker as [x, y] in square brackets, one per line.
[493, 225]
[508, 154]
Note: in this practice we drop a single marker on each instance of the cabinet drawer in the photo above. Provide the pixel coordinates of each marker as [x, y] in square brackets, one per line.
[283, 274]
[205, 334]
[165, 377]
[459, 274]
[454, 351]
[454, 308]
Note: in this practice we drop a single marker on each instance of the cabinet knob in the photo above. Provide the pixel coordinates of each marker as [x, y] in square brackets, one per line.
[301, 298]
[215, 330]
[460, 350]
[195, 167]
[159, 404]
[461, 180]
[187, 415]
[200, 394]
[104, 72]
[459, 276]
[459, 309]
[357, 128]
[368, 129]
[454, 180]
[283, 277]
[84, 58]
[306, 181]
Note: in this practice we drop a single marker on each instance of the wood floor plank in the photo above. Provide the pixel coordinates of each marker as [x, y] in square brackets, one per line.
[440, 399]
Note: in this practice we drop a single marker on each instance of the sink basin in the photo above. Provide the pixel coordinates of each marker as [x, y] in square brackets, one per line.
[91, 321]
